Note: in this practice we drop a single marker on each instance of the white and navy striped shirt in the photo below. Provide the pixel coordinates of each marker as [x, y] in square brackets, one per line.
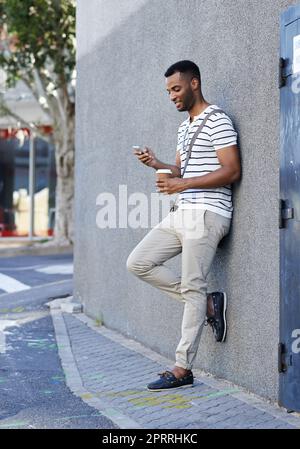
[218, 133]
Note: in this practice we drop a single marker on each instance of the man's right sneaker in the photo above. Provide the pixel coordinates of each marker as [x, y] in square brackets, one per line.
[218, 320]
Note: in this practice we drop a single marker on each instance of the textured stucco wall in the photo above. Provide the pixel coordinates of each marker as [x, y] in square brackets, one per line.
[124, 47]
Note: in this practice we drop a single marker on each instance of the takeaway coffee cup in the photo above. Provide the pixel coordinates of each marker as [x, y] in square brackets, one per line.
[163, 173]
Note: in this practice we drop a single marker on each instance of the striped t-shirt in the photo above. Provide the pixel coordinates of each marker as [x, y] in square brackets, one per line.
[218, 133]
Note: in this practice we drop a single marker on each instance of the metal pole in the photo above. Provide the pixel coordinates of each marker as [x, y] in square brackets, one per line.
[31, 184]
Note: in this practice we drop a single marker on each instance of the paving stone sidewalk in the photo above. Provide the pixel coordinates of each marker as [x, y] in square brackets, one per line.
[110, 372]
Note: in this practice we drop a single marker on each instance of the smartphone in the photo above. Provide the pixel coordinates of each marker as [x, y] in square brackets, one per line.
[138, 148]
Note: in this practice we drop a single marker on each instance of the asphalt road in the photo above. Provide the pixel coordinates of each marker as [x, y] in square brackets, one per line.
[33, 393]
[21, 272]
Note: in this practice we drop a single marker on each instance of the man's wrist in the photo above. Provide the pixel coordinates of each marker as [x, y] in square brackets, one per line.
[186, 183]
[176, 172]
[155, 165]
[158, 165]
[194, 183]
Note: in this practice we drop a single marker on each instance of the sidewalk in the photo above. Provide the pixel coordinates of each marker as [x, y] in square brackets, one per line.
[110, 372]
[23, 248]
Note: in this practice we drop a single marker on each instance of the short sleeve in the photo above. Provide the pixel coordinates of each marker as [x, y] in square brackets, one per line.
[179, 142]
[221, 131]
[180, 136]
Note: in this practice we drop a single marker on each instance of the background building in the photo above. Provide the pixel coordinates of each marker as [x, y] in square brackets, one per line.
[124, 49]
[15, 149]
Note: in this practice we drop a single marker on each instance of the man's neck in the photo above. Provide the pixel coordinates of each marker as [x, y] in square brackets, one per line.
[197, 109]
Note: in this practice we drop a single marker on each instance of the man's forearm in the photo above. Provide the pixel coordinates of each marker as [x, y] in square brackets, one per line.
[221, 177]
[176, 172]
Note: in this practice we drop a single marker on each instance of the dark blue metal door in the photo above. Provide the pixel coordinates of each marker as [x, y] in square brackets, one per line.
[289, 215]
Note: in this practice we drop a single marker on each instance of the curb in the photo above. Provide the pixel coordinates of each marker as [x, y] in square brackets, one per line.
[73, 378]
[35, 250]
[65, 305]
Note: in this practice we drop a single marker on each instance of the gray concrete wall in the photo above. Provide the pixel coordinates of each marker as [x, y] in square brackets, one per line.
[124, 47]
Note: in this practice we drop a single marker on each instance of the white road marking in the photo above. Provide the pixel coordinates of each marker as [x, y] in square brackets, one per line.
[57, 269]
[4, 296]
[3, 325]
[11, 285]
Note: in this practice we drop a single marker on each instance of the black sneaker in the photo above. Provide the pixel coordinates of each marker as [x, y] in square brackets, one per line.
[168, 381]
[218, 320]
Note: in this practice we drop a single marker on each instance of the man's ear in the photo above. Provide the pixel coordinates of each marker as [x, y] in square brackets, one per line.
[195, 83]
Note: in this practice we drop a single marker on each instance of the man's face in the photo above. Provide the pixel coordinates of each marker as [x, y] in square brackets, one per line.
[181, 92]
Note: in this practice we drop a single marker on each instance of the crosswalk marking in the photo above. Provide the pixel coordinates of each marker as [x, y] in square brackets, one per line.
[10, 285]
[67, 268]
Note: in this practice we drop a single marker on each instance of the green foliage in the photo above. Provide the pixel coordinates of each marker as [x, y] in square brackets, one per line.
[41, 35]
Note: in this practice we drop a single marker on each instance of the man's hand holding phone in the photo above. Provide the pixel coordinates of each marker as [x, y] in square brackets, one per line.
[145, 155]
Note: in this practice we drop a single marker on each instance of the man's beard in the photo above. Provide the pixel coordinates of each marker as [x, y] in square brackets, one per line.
[187, 103]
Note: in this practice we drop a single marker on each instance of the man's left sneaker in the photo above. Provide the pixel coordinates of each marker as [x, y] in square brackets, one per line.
[168, 381]
[218, 320]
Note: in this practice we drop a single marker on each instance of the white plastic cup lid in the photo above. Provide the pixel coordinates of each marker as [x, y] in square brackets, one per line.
[164, 170]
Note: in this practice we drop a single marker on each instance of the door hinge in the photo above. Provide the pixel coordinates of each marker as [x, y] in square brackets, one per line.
[285, 213]
[282, 367]
[282, 76]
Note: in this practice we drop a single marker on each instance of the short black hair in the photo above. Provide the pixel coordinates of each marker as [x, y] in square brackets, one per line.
[184, 67]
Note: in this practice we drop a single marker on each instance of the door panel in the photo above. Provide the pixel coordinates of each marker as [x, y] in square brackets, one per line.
[289, 354]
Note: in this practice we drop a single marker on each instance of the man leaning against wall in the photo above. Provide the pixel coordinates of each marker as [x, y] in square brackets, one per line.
[207, 163]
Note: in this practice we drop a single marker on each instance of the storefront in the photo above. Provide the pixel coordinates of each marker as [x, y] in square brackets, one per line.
[27, 184]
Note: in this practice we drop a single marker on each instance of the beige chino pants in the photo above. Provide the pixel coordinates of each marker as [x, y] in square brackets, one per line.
[196, 234]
